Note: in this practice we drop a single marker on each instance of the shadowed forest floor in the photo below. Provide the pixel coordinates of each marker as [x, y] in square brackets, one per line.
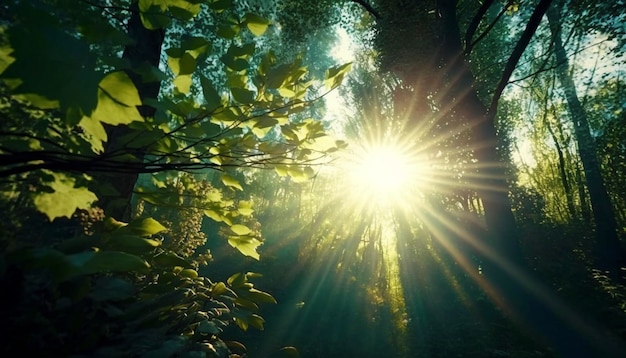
[331, 313]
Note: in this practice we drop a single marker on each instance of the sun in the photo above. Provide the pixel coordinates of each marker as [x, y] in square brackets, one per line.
[384, 174]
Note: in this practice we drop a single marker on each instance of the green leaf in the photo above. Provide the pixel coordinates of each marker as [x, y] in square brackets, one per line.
[256, 321]
[65, 198]
[231, 182]
[156, 14]
[183, 83]
[5, 57]
[132, 244]
[220, 5]
[189, 273]
[288, 352]
[242, 95]
[108, 261]
[170, 259]
[142, 227]
[117, 100]
[256, 24]
[95, 133]
[245, 245]
[259, 296]
[237, 279]
[211, 96]
[240, 229]
[228, 31]
[243, 51]
[218, 289]
[334, 75]
[152, 16]
[213, 215]
[50, 62]
[236, 64]
[245, 208]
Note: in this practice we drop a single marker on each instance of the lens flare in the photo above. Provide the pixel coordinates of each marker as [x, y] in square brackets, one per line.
[384, 174]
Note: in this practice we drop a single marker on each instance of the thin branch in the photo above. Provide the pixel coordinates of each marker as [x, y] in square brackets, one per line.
[520, 47]
[473, 26]
[471, 44]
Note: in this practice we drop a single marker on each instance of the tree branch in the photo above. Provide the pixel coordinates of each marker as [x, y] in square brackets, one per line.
[519, 49]
[471, 29]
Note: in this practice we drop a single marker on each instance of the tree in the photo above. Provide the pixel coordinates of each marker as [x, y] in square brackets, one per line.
[609, 254]
[437, 51]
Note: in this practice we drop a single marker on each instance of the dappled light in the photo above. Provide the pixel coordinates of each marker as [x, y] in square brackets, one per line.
[304, 179]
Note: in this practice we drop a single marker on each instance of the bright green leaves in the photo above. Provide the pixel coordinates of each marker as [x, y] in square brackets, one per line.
[142, 227]
[64, 199]
[236, 57]
[256, 24]
[287, 79]
[117, 100]
[156, 14]
[117, 104]
[247, 300]
[247, 245]
[240, 229]
[183, 60]
[5, 57]
[334, 75]
[231, 182]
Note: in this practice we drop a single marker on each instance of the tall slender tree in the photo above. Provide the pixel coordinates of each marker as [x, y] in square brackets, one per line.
[609, 254]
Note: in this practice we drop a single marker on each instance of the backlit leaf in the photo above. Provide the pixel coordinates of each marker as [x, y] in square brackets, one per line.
[183, 83]
[334, 75]
[142, 227]
[231, 182]
[256, 24]
[117, 100]
[240, 229]
[245, 208]
[65, 198]
[245, 245]
[260, 296]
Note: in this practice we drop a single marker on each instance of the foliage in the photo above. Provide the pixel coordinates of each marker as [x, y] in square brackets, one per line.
[127, 296]
[76, 118]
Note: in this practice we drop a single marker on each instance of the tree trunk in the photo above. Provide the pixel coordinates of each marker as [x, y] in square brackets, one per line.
[490, 183]
[508, 280]
[145, 49]
[607, 242]
[567, 187]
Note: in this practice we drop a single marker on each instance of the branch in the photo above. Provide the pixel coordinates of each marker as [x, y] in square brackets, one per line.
[471, 29]
[519, 49]
[470, 45]
[369, 8]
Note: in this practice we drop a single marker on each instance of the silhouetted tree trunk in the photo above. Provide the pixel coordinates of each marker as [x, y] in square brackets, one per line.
[507, 278]
[608, 247]
[567, 187]
[145, 50]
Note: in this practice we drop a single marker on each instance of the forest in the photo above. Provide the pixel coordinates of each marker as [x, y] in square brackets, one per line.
[313, 178]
